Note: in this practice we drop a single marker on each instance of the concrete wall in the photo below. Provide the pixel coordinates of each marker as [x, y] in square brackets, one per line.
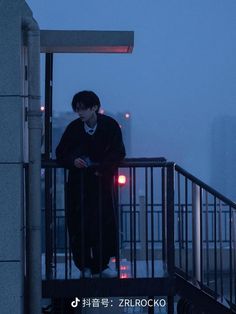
[11, 157]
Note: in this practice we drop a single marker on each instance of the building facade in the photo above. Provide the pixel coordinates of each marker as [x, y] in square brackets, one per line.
[20, 125]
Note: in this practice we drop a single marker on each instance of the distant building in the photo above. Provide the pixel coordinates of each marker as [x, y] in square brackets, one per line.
[223, 153]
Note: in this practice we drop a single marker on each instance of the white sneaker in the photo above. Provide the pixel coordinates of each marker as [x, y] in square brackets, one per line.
[86, 273]
[107, 273]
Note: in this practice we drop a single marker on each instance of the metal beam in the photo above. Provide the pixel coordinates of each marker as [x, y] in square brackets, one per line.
[86, 41]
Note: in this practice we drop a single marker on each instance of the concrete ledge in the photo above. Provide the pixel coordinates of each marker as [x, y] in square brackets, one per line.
[86, 41]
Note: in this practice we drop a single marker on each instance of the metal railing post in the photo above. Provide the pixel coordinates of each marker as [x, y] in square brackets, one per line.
[196, 225]
[233, 230]
[170, 233]
[170, 219]
[142, 219]
[164, 198]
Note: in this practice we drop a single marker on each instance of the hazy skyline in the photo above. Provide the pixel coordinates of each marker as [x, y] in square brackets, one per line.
[180, 77]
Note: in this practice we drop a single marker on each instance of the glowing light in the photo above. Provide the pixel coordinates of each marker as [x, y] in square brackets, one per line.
[124, 276]
[122, 179]
[113, 259]
[42, 108]
[123, 267]
[127, 115]
[102, 111]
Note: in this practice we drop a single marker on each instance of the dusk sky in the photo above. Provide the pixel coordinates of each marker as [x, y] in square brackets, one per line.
[179, 80]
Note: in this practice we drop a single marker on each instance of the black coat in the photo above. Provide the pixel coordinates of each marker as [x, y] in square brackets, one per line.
[85, 216]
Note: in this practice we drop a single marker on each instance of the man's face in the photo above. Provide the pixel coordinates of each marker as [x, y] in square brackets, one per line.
[86, 114]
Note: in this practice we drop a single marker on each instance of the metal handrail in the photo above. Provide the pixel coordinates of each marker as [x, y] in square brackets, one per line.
[128, 162]
[205, 186]
[198, 269]
[162, 163]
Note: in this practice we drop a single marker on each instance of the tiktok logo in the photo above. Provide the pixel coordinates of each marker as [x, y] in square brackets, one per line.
[75, 303]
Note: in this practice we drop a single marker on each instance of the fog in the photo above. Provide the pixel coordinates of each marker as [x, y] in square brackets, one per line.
[179, 84]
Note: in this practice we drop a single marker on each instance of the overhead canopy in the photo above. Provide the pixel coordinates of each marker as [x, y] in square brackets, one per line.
[53, 41]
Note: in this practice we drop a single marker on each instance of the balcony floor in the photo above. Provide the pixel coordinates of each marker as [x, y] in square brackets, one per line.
[69, 284]
[142, 269]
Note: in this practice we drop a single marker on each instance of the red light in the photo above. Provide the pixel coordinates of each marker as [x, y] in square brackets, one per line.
[124, 276]
[127, 115]
[113, 260]
[122, 180]
[123, 267]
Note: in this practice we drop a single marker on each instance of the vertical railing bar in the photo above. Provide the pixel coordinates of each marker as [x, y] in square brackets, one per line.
[65, 225]
[125, 223]
[155, 212]
[152, 223]
[225, 223]
[182, 227]
[55, 218]
[212, 220]
[207, 241]
[26, 213]
[146, 222]
[221, 248]
[215, 245]
[134, 216]
[186, 225]
[159, 219]
[100, 225]
[48, 221]
[81, 210]
[234, 253]
[159, 226]
[170, 221]
[159, 239]
[196, 233]
[131, 218]
[164, 215]
[118, 219]
[122, 224]
[201, 239]
[179, 220]
[230, 256]
[70, 261]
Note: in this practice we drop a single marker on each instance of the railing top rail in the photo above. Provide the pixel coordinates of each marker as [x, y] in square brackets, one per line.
[128, 162]
[156, 162]
[205, 186]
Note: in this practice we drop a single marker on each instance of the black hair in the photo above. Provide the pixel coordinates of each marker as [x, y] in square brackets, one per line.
[85, 99]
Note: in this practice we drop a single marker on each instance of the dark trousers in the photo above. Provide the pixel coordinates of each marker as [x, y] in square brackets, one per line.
[92, 222]
[89, 255]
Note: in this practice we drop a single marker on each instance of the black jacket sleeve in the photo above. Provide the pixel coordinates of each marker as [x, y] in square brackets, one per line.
[67, 150]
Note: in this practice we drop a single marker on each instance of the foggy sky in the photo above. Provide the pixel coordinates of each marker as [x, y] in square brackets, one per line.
[180, 78]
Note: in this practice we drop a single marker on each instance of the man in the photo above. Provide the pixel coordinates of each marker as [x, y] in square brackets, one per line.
[91, 214]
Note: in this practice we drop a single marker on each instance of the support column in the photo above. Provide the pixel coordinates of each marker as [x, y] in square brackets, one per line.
[11, 160]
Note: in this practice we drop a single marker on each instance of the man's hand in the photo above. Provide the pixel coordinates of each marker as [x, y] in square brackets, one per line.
[80, 163]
